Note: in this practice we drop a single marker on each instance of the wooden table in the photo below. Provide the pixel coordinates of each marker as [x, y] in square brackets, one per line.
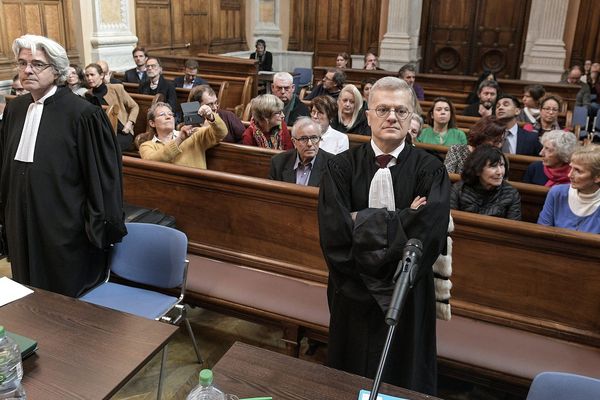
[248, 371]
[84, 351]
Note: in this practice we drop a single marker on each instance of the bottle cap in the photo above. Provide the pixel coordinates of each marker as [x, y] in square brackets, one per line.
[206, 377]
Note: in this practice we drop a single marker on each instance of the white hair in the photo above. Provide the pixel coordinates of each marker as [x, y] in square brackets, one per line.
[56, 54]
[305, 122]
[566, 143]
[283, 76]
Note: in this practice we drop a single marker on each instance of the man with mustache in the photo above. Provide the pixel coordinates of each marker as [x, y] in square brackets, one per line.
[487, 93]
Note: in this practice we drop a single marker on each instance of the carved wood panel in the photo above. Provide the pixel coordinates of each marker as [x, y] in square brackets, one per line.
[586, 43]
[468, 36]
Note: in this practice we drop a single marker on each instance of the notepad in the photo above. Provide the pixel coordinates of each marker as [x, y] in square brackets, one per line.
[26, 345]
[364, 395]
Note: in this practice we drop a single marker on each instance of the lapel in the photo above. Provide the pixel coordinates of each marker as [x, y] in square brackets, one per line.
[315, 173]
[289, 174]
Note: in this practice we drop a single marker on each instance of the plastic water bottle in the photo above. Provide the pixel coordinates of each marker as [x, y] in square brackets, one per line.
[11, 369]
[205, 390]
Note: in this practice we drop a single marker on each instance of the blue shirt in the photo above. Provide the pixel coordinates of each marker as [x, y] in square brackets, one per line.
[556, 212]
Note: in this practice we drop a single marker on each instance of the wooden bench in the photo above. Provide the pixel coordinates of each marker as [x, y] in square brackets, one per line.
[524, 297]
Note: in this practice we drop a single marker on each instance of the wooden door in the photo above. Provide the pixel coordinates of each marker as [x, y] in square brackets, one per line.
[465, 37]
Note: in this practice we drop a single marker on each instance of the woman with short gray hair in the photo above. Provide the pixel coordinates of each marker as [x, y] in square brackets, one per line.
[267, 127]
[556, 155]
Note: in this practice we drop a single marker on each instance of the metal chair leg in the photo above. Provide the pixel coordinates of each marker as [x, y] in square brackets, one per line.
[162, 372]
[191, 333]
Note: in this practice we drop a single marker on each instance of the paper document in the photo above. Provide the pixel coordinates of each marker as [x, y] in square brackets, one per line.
[11, 291]
[364, 395]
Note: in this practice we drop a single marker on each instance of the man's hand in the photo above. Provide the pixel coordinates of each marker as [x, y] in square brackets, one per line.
[418, 202]
[484, 112]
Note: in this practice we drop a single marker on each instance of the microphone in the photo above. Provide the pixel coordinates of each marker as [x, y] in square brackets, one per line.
[404, 278]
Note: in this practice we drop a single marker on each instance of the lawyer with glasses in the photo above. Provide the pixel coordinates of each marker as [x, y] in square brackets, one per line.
[304, 164]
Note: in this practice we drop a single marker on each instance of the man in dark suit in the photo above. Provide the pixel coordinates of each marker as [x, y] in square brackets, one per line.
[191, 78]
[283, 87]
[516, 140]
[156, 83]
[304, 164]
[488, 94]
[137, 74]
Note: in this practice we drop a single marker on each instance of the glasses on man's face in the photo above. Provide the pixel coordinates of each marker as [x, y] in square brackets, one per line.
[36, 66]
[304, 139]
[550, 110]
[401, 112]
[213, 105]
[316, 113]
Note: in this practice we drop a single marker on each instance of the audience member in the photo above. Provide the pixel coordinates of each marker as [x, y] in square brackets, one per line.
[267, 127]
[517, 140]
[156, 83]
[556, 155]
[342, 60]
[576, 205]
[186, 147]
[137, 74]
[101, 94]
[366, 85]
[351, 117]
[414, 130]
[331, 84]
[531, 103]
[190, 78]
[108, 74]
[594, 84]
[574, 78]
[408, 72]
[304, 164]
[488, 130]
[486, 93]
[205, 95]
[75, 79]
[483, 188]
[371, 61]
[264, 57]
[486, 75]
[587, 68]
[550, 106]
[283, 87]
[442, 125]
[16, 88]
[324, 111]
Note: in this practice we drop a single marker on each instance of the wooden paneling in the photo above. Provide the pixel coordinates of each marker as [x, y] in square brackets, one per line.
[468, 36]
[209, 26]
[50, 18]
[586, 43]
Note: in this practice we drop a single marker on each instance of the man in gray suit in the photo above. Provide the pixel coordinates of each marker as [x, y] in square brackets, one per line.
[305, 163]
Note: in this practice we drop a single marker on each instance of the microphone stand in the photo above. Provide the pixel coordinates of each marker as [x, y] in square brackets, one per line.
[386, 350]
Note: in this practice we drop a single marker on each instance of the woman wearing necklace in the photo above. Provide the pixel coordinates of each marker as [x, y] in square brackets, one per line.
[556, 154]
[442, 125]
[576, 205]
[185, 147]
[267, 127]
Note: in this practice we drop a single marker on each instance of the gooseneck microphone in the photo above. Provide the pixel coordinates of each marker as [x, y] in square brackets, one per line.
[404, 278]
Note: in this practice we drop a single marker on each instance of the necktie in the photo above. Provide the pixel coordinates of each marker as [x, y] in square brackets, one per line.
[506, 143]
[383, 160]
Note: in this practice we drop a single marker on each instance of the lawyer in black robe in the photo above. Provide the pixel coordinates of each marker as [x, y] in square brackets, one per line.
[62, 211]
[363, 255]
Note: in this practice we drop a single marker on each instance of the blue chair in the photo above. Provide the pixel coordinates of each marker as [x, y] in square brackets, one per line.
[581, 119]
[563, 386]
[153, 256]
[302, 78]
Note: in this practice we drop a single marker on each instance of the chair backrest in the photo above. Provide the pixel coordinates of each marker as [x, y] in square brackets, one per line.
[302, 77]
[563, 386]
[597, 121]
[151, 255]
[580, 116]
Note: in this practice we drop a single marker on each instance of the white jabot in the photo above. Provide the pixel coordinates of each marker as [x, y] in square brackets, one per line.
[582, 204]
[334, 141]
[381, 191]
[31, 127]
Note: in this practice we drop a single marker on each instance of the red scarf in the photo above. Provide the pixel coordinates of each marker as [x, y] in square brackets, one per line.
[557, 175]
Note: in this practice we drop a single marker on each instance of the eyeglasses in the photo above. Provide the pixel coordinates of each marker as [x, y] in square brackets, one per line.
[316, 113]
[165, 114]
[304, 139]
[212, 105]
[548, 109]
[401, 112]
[280, 112]
[36, 66]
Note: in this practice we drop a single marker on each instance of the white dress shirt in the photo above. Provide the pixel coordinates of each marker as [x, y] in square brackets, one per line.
[334, 141]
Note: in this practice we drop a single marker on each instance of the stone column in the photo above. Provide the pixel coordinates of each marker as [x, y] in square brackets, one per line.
[112, 38]
[400, 44]
[544, 55]
[266, 20]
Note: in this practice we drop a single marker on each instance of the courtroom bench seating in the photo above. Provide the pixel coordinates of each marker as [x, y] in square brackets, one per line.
[530, 288]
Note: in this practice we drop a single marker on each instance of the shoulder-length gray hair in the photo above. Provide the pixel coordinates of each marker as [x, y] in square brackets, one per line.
[56, 54]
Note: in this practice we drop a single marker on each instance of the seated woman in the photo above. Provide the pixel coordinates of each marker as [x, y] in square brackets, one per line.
[264, 57]
[550, 106]
[342, 61]
[576, 206]
[75, 80]
[442, 125]
[184, 147]
[488, 130]
[556, 154]
[531, 103]
[267, 126]
[323, 111]
[366, 85]
[101, 94]
[351, 117]
[483, 189]
[416, 123]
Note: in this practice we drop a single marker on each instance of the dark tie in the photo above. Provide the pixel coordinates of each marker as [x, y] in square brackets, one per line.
[383, 160]
[506, 144]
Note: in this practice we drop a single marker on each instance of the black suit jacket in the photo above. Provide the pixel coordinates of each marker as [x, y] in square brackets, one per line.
[267, 61]
[528, 143]
[131, 76]
[300, 110]
[164, 87]
[282, 167]
[197, 81]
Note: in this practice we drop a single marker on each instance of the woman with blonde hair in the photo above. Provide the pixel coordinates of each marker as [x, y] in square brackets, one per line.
[351, 116]
[267, 127]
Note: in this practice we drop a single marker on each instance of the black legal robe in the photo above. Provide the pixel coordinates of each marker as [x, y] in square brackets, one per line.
[362, 257]
[62, 211]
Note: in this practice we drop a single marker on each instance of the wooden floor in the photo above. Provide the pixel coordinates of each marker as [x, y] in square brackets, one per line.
[215, 333]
